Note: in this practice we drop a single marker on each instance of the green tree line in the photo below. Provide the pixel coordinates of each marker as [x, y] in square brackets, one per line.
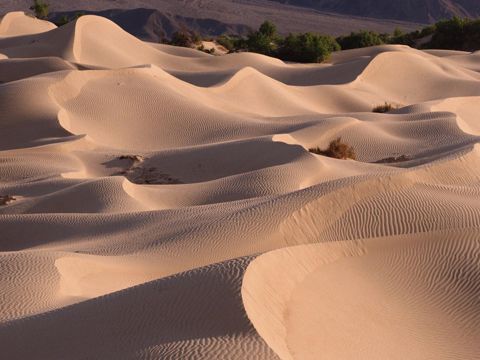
[453, 34]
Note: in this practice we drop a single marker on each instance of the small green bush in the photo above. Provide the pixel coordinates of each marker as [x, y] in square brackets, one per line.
[336, 149]
[268, 29]
[40, 8]
[227, 42]
[263, 41]
[307, 48]
[185, 39]
[360, 39]
[411, 38]
[64, 19]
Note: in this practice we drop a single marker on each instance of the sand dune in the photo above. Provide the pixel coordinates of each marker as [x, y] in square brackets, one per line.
[379, 298]
[157, 203]
[17, 23]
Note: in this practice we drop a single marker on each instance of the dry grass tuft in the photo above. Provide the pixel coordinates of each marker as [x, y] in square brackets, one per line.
[139, 173]
[337, 149]
[383, 108]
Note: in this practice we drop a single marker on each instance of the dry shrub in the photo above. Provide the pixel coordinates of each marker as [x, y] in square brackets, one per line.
[337, 149]
[383, 108]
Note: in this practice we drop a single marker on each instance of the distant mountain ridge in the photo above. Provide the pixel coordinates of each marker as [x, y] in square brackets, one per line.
[210, 16]
[422, 11]
[154, 25]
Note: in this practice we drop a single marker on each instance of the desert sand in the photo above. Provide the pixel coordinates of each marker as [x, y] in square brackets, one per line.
[161, 203]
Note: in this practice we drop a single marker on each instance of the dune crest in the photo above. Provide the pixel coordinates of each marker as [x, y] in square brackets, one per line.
[18, 23]
[162, 203]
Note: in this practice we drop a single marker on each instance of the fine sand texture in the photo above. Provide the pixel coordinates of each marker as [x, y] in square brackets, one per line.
[162, 203]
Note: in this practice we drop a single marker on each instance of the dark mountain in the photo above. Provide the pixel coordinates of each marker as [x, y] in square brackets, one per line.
[209, 17]
[422, 11]
[153, 25]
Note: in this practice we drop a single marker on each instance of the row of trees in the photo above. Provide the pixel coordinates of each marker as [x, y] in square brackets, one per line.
[454, 34]
[304, 47]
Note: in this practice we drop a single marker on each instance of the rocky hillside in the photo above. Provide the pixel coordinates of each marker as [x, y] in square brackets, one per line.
[423, 11]
[153, 25]
[208, 17]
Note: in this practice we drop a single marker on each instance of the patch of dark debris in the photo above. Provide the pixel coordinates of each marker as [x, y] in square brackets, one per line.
[139, 173]
[6, 199]
[134, 158]
[393, 159]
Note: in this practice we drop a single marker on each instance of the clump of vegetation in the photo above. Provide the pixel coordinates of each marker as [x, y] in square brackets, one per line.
[383, 108]
[227, 42]
[40, 8]
[452, 34]
[307, 48]
[360, 39]
[138, 173]
[413, 39]
[336, 149]
[185, 39]
[6, 199]
[264, 41]
[456, 34]
[65, 19]
[393, 159]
